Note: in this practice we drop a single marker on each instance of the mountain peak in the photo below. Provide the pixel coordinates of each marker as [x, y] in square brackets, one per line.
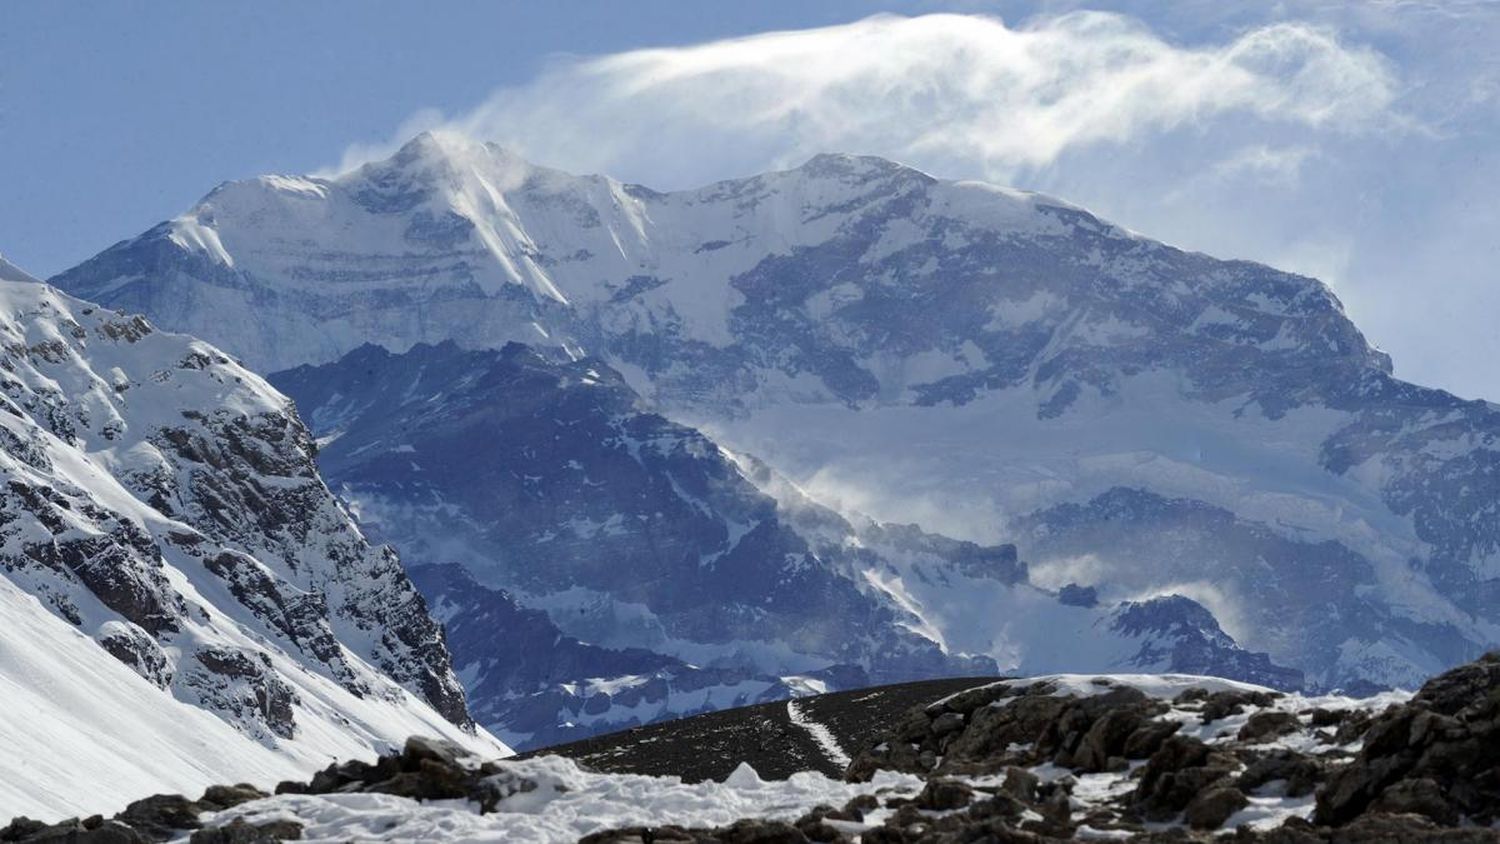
[1007, 351]
[845, 165]
[454, 155]
[441, 145]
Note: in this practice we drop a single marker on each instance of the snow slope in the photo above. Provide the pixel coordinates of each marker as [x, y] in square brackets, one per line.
[989, 364]
[215, 614]
[82, 733]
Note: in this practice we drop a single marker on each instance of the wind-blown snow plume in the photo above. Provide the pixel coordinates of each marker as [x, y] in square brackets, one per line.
[1313, 136]
[931, 88]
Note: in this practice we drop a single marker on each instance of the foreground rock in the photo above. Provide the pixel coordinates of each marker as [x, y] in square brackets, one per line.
[711, 746]
[157, 818]
[1165, 758]
[426, 769]
[1182, 760]
[1437, 756]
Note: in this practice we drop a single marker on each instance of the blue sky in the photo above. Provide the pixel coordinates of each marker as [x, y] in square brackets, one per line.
[114, 116]
[1358, 142]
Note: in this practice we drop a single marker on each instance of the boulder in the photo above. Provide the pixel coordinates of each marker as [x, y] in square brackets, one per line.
[1020, 784]
[1437, 755]
[941, 795]
[229, 796]
[160, 816]
[1268, 725]
[240, 831]
[1176, 774]
[1212, 807]
[1301, 773]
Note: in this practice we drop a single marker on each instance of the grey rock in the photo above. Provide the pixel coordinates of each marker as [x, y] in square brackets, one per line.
[240, 831]
[1266, 726]
[1211, 808]
[1435, 755]
[948, 722]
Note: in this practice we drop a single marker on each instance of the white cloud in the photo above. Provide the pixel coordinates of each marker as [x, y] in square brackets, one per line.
[965, 91]
[1281, 165]
[426, 120]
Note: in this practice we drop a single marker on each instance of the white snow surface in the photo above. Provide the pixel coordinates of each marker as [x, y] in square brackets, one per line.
[567, 239]
[824, 737]
[569, 803]
[80, 733]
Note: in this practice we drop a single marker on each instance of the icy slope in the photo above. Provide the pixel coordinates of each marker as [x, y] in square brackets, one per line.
[161, 512]
[986, 363]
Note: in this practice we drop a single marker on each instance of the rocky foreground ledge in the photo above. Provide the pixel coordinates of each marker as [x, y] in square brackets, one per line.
[1173, 759]
[1142, 758]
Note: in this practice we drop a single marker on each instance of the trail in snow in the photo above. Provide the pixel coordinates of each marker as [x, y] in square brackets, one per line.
[820, 734]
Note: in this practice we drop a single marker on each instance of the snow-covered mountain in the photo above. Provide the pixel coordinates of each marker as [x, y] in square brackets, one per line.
[989, 364]
[519, 481]
[183, 600]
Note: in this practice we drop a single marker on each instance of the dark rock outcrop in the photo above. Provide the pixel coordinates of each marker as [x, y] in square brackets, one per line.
[990, 728]
[1437, 755]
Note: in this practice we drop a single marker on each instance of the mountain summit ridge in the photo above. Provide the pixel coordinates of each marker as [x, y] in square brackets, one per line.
[460, 202]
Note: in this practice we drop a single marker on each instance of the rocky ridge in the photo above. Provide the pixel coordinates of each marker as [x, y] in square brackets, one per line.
[162, 502]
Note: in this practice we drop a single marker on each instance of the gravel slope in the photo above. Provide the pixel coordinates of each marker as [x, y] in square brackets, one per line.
[711, 746]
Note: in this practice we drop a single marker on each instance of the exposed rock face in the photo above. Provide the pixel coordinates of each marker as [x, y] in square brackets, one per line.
[1181, 633]
[1437, 755]
[1312, 595]
[243, 688]
[161, 500]
[216, 469]
[543, 477]
[551, 480]
[956, 355]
